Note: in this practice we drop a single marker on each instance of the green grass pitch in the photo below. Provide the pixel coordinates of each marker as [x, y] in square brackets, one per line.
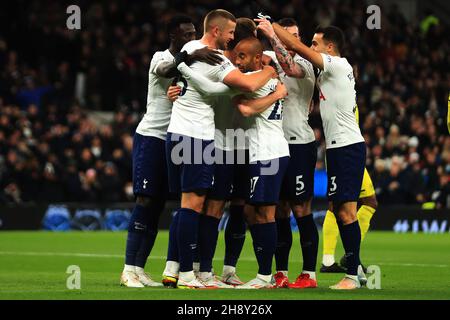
[33, 266]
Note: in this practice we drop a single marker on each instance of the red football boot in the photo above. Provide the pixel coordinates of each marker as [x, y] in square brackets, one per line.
[281, 280]
[302, 282]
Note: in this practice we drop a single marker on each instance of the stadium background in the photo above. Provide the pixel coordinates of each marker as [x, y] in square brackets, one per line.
[70, 101]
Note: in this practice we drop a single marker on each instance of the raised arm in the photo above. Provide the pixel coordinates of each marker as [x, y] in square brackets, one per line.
[249, 82]
[250, 107]
[169, 69]
[294, 44]
[285, 60]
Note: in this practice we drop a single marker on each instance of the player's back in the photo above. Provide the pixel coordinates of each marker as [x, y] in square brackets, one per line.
[296, 105]
[192, 112]
[266, 136]
[159, 108]
[337, 95]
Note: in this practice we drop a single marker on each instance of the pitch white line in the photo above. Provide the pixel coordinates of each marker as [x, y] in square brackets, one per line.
[118, 256]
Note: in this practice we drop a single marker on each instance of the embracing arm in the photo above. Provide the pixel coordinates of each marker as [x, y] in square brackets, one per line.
[250, 107]
[249, 82]
[169, 69]
[203, 84]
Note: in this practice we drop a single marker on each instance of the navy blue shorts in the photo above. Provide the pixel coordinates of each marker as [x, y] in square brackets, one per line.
[241, 175]
[298, 182]
[345, 171]
[230, 175]
[149, 166]
[265, 181]
[190, 163]
[223, 175]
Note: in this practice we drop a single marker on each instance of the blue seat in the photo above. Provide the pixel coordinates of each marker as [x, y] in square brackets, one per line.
[116, 219]
[56, 218]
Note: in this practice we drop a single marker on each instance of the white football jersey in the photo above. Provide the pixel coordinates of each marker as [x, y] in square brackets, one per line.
[266, 137]
[231, 125]
[296, 105]
[159, 107]
[337, 94]
[192, 113]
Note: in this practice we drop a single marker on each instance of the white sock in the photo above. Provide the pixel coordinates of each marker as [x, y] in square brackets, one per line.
[267, 278]
[328, 259]
[312, 275]
[205, 275]
[128, 268]
[172, 268]
[196, 266]
[361, 271]
[140, 270]
[187, 276]
[285, 273]
[228, 270]
[354, 278]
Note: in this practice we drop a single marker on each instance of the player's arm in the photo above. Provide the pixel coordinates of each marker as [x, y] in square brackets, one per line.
[204, 85]
[290, 67]
[294, 44]
[250, 107]
[249, 82]
[168, 69]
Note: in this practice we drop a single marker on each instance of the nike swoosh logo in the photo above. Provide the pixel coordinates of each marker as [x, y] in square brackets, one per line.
[297, 194]
[330, 194]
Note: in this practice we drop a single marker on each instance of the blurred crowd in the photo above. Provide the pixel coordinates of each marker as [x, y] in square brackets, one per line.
[51, 78]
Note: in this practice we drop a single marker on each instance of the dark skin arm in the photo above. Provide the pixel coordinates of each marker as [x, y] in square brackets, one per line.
[169, 69]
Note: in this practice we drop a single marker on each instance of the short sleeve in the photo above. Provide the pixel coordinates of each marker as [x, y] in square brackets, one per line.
[331, 64]
[220, 71]
[157, 59]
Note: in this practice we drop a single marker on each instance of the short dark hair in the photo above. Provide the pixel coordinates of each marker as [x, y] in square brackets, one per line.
[218, 13]
[287, 22]
[176, 21]
[334, 35]
[245, 28]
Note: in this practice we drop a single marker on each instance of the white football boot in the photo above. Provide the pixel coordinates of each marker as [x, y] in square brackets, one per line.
[258, 283]
[130, 279]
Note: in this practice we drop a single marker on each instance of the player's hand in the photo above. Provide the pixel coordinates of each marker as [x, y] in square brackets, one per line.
[266, 60]
[173, 92]
[206, 55]
[281, 91]
[266, 27]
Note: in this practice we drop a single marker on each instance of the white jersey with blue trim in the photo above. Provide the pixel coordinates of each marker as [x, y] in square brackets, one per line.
[159, 108]
[336, 84]
[266, 137]
[296, 105]
[192, 112]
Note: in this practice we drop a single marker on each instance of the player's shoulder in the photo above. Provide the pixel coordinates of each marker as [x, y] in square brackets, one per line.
[192, 46]
[162, 55]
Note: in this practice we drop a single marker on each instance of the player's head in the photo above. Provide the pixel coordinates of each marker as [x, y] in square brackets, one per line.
[329, 40]
[249, 52]
[220, 24]
[181, 30]
[291, 26]
[245, 28]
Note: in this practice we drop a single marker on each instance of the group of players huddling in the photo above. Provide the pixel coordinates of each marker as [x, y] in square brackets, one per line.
[227, 121]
